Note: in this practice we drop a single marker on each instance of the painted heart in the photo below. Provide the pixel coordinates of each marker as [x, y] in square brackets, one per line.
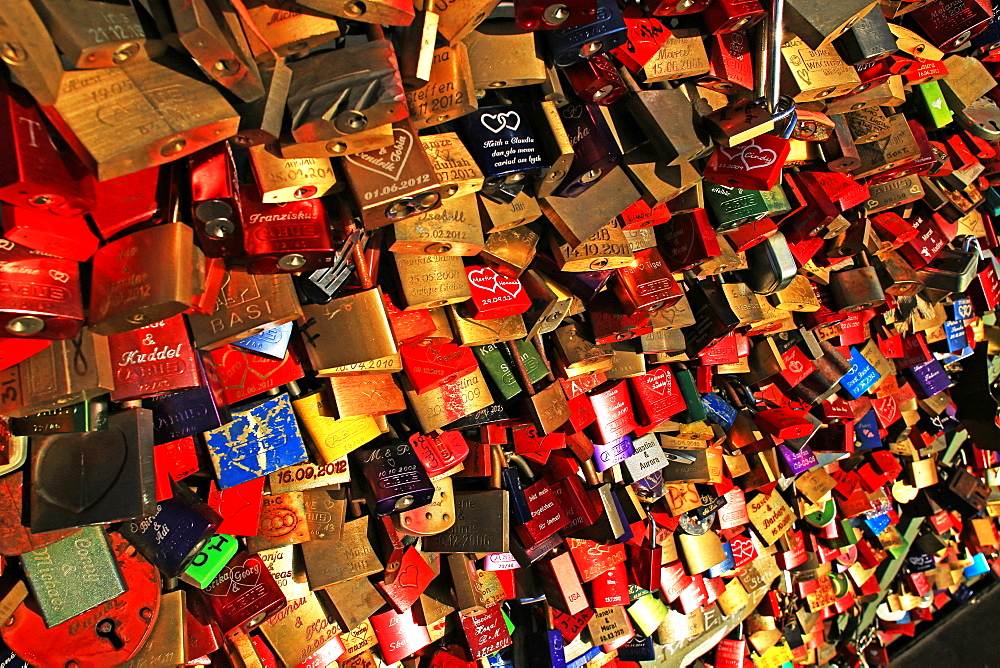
[60, 276]
[658, 381]
[497, 122]
[755, 157]
[75, 471]
[409, 576]
[488, 279]
[387, 162]
[743, 548]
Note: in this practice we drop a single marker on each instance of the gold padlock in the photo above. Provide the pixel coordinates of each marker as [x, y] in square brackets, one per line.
[449, 92]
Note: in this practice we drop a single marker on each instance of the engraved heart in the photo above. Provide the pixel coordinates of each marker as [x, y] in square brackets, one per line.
[75, 471]
[60, 276]
[497, 122]
[488, 279]
[409, 576]
[755, 157]
[389, 161]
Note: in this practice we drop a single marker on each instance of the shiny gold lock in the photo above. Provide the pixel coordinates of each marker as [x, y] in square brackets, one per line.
[330, 562]
[214, 37]
[578, 218]
[393, 183]
[503, 56]
[889, 194]
[284, 630]
[815, 75]
[29, 52]
[448, 94]
[332, 438]
[510, 251]
[435, 517]
[913, 44]
[497, 216]
[453, 228]
[699, 553]
[287, 29]
[742, 300]
[798, 296]
[550, 303]
[606, 248]
[281, 179]
[471, 332]
[95, 34]
[351, 330]
[453, 164]
[678, 58]
[967, 81]
[158, 115]
[429, 281]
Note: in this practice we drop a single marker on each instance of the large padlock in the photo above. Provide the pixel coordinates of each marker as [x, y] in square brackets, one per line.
[857, 289]
[952, 270]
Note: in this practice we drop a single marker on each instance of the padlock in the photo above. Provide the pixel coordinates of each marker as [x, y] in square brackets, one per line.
[215, 201]
[857, 289]
[817, 25]
[679, 57]
[756, 164]
[198, 112]
[387, 12]
[952, 270]
[571, 44]
[118, 635]
[96, 35]
[666, 119]
[503, 143]
[289, 236]
[281, 179]
[714, 317]
[730, 67]
[868, 40]
[218, 45]
[37, 176]
[951, 23]
[503, 56]
[33, 56]
[391, 184]
[596, 80]
[533, 15]
[336, 112]
[772, 266]
[595, 149]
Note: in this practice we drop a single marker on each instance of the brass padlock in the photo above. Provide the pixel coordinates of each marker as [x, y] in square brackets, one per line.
[29, 51]
[332, 333]
[809, 74]
[503, 56]
[817, 24]
[281, 179]
[578, 218]
[151, 127]
[429, 281]
[453, 228]
[857, 289]
[384, 12]
[453, 164]
[286, 28]
[95, 34]
[214, 37]
[448, 93]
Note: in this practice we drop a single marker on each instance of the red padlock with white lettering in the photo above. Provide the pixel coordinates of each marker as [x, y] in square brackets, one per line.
[494, 295]
[755, 164]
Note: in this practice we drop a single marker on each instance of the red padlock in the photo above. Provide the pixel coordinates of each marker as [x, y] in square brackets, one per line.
[531, 15]
[755, 164]
[494, 295]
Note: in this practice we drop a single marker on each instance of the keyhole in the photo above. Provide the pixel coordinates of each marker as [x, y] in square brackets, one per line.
[106, 629]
